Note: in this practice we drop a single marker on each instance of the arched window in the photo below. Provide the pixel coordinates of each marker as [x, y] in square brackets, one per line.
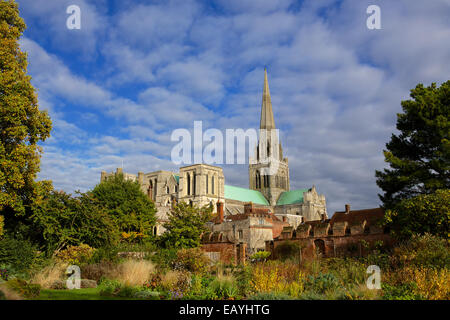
[167, 189]
[207, 186]
[212, 185]
[268, 148]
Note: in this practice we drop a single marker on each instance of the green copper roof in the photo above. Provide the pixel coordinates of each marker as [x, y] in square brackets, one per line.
[177, 177]
[245, 195]
[291, 197]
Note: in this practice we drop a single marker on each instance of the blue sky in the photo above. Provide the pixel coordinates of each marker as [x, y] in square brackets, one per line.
[137, 70]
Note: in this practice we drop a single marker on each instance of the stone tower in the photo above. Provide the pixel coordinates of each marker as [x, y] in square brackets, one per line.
[268, 170]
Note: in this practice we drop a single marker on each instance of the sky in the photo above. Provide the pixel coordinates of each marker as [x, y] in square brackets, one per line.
[118, 87]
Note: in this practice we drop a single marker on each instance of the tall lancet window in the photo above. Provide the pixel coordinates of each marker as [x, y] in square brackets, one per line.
[188, 184]
[212, 185]
[207, 180]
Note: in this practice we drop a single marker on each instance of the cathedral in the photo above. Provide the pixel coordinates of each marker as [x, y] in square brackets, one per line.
[268, 196]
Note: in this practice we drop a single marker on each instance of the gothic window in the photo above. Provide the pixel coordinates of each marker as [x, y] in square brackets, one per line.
[207, 189]
[212, 185]
[240, 234]
[195, 184]
[155, 189]
[188, 184]
[257, 153]
[167, 189]
[268, 148]
[175, 189]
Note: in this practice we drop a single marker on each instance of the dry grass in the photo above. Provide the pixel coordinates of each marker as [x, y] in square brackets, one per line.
[10, 294]
[134, 272]
[50, 274]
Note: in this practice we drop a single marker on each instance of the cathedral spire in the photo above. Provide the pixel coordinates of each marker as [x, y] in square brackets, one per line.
[267, 121]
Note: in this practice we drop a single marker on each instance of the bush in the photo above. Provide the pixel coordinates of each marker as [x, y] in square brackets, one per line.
[426, 213]
[164, 258]
[193, 260]
[24, 288]
[77, 255]
[18, 255]
[147, 295]
[323, 283]
[260, 256]
[224, 288]
[426, 250]
[406, 291]
[109, 287]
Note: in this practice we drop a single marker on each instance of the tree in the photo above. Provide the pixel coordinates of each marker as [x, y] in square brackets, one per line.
[185, 226]
[131, 210]
[62, 220]
[419, 156]
[423, 214]
[22, 124]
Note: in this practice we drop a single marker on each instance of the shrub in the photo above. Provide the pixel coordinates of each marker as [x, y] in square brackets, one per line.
[18, 255]
[164, 258]
[109, 287]
[193, 259]
[77, 255]
[426, 250]
[260, 256]
[24, 288]
[406, 291]
[225, 288]
[323, 283]
[176, 281]
[7, 293]
[243, 280]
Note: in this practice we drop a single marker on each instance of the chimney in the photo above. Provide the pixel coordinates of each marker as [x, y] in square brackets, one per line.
[141, 178]
[220, 211]
[347, 208]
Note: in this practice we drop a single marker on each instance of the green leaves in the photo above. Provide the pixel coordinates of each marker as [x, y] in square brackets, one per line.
[127, 206]
[185, 226]
[419, 156]
[420, 215]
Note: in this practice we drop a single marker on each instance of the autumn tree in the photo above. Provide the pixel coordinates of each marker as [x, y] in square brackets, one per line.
[419, 155]
[22, 124]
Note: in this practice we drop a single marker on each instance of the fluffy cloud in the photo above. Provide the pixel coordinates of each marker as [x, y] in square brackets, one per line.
[136, 71]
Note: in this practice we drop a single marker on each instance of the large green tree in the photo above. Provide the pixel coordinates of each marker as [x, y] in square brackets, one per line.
[419, 156]
[61, 220]
[22, 124]
[426, 213]
[185, 226]
[131, 210]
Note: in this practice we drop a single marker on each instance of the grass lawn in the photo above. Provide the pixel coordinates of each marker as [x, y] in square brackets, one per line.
[75, 294]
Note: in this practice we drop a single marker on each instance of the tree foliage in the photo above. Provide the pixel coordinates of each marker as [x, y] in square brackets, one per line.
[22, 124]
[423, 214]
[185, 226]
[63, 220]
[131, 210]
[419, 156]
